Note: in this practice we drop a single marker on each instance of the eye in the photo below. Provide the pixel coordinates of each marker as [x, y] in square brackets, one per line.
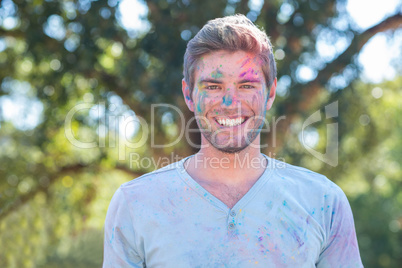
[247, 86]
[212, 87]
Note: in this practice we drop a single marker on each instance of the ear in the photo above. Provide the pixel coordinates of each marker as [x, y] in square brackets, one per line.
[272, 94]
[187, 95]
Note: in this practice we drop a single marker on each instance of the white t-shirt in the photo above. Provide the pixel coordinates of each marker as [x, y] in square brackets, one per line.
[291, 217]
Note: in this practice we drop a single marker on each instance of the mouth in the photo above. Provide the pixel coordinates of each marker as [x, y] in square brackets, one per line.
[231, 122]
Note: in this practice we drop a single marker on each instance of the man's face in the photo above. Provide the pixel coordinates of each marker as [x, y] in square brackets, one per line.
[230, 99]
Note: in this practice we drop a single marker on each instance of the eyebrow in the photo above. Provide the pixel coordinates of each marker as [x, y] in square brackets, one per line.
[250, 80]
[210, 80]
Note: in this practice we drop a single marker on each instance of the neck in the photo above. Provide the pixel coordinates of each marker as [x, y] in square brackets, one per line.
[210, 165]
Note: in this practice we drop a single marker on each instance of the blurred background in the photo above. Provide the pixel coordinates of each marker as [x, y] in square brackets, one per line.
[78, 78]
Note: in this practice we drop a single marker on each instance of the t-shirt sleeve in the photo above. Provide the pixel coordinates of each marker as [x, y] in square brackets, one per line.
[341, 248]
[119, 248]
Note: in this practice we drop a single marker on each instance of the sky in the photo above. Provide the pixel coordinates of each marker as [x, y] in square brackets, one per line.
[377, 53]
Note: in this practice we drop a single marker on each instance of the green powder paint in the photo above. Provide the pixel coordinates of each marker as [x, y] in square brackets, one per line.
[216, 75]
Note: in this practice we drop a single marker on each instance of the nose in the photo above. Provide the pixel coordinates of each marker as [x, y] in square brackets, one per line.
[230, 99]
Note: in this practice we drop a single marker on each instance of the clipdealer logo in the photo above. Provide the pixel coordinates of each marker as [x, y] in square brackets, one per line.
[118, 138]
[330, 156]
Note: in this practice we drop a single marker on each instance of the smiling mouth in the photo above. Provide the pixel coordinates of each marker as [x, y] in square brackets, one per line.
[231, 122]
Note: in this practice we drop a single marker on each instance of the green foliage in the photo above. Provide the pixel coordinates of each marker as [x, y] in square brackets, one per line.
[61, 58]
[373, 178]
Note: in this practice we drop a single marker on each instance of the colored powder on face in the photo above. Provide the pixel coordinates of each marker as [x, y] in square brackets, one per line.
[227, 100]
[249, 74]
[200, 101]
[216, 74]
[245, 62]
[199, 107]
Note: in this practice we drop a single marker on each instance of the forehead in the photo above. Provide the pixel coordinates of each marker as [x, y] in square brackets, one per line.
[228, 63]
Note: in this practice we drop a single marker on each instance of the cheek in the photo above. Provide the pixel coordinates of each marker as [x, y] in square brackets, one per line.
[254, 101]
[197, 100]
[211, 102]
[202, 101]
[258, 100]
[200, 104]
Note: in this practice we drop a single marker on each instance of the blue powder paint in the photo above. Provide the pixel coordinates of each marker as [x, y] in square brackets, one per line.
[286, 205]
[227, 100]
[112, 238]
[201, 100]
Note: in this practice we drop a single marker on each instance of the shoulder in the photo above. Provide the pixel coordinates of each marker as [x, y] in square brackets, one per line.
[159, 174]
[149, 192]
[152, 184]
[309, 188]
[296, 176]
[311, 193]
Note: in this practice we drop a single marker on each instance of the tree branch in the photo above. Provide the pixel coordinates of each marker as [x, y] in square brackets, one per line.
[23, 199]
[309, 92]
[311, 89]
[12, 33]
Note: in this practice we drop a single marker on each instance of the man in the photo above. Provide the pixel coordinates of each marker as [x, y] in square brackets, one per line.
[229, 205]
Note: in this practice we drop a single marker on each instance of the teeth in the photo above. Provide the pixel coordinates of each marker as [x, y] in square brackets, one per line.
[231, 122]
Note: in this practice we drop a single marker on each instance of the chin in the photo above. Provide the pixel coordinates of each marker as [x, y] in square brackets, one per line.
[223, 144]
[231, 150]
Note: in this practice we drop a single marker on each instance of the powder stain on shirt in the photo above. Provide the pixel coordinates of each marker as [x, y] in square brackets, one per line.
[266, 233]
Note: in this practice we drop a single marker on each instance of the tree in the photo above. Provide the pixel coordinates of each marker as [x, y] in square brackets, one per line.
[61, 58]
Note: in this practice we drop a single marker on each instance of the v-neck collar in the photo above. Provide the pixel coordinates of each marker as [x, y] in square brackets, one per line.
[266, 175]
